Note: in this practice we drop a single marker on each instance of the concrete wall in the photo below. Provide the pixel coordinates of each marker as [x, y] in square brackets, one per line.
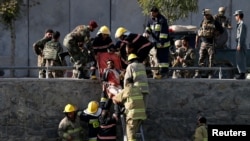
[64, 15]
[31, 109]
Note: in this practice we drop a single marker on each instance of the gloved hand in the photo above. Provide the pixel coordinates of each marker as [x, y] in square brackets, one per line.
[122, 75]
[146, 35]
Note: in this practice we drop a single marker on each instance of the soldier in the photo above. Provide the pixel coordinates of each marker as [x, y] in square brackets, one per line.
[241, 47]
[38, 48]
[51, 55]
[80, 35]
[222, 19]
[176, 57]
[157, 27]
[188, 59]
[209, 29]
[226, 24]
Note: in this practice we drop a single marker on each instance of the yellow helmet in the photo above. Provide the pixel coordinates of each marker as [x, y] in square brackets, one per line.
[131, 56]
[120, 31]
[104, 30]
[69, 108]
[92, 107]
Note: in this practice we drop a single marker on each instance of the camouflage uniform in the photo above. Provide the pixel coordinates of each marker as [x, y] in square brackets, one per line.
[38, 48]
[209, 29]
[50, 53]
[188, 61]
[81, 34]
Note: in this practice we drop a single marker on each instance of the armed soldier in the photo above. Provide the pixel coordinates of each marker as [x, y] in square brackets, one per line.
[209, 29]
[226, 24]
[177, 57]
[81, 34]
[38, 49]
[188, 59]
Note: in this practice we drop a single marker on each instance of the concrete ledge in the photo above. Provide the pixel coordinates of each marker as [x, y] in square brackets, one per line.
[32, 108]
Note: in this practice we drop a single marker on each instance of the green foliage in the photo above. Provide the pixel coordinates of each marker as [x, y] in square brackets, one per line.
[173, 10]
[9, 11]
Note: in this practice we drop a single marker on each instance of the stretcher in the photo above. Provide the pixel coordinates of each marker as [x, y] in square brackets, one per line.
[103, 57]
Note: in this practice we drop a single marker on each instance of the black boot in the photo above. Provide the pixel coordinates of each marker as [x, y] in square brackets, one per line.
[241, 76]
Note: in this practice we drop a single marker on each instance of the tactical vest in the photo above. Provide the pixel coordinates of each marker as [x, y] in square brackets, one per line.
[51, 50]
[207, 29]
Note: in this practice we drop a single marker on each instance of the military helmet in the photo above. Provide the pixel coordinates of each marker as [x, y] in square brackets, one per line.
[120, 31]
[206, 11]
[131, 56]
[69, 108]
[221, 9]
[178, 43]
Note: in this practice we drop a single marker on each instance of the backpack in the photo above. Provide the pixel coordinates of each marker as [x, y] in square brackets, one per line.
[51, 50]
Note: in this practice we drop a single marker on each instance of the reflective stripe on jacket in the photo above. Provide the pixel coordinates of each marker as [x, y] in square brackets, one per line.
[137, 71]
[134, 104]
[158, 28]
[68, 128]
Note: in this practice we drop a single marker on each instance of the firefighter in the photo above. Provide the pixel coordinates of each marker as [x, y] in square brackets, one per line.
[102, 44]
[141, 48]
[80, 35]
[201, 130]
[108, 122]
[70, 128]
[91, 116]
[135, 111]
[157, 27]
[137, 72]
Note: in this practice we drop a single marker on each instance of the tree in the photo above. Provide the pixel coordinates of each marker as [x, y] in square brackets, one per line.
[10, 10]
[173, 10]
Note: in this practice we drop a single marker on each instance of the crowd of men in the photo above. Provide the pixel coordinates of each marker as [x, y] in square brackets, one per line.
[129, 102]
[153, 48]
[124, 77]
